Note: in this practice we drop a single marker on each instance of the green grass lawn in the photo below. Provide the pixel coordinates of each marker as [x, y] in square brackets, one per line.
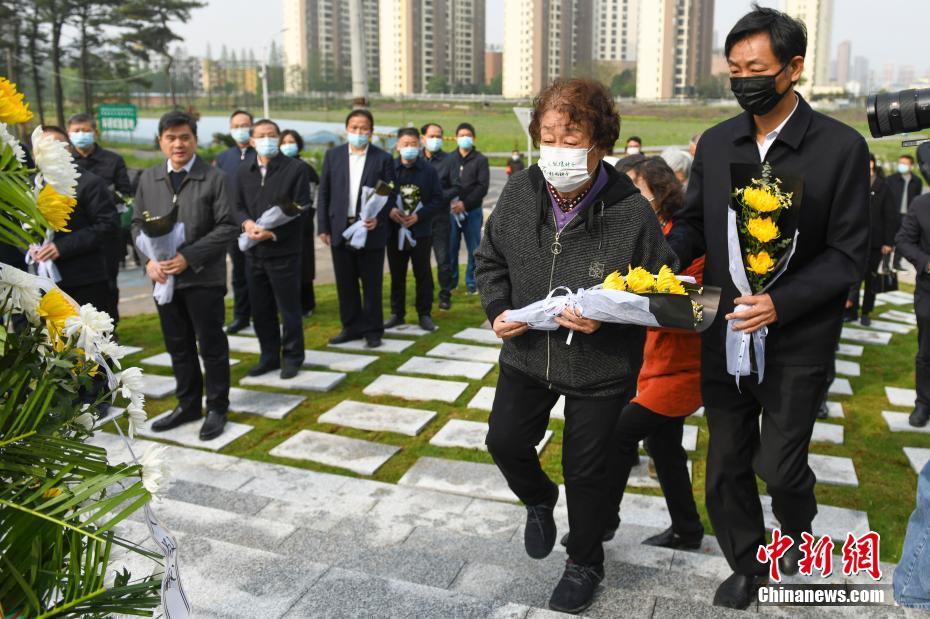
[886, 481]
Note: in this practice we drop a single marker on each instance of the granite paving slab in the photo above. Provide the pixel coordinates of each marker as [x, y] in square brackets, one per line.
[131, 350]
[446, 367]
[827, 433]
[306, 380]
[471, 435]
[484, 399]
[163, 360]
[896, 297]
[891, 327]
[639, 475]
[157, 386]
[473, 479]
[338, 361]
[907, 318]
[188, 433]
[834, 410]
[834, 470]
[412, 388]
[239, 343]
[387, 345]
[358, 456]
[918, 457]
[840, 386]
[901, 397]
[847, 368]
[689, 437]
[409, 330]
[465, 352]
[378, 417]
[865, 336]
[263, 403]
[481, 336]
[897, 422]
[850, 350]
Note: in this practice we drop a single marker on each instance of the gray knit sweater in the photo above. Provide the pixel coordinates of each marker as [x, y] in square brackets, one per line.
[515, 266]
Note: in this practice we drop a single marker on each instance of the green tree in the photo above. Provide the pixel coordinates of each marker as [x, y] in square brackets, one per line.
[712, 87]
[496, 86]
[624, 84]
[437, 84]
[91, 18]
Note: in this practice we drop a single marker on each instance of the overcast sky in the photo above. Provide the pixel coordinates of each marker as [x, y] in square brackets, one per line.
[889, 31]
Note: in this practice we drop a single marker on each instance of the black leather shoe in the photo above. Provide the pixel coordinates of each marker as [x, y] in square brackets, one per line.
[237, 325]
[919, 417]
[289, 371]
[263, 367]
[373, 341]
[213, 426]
[865, 320]
[426, 323]
[788, 562]
[575, 592]
[669, 539]
[344, 337]
[393, 321]
[609, 534]
[739, 590]
[445, 304]
[539, 534]
[176, 418]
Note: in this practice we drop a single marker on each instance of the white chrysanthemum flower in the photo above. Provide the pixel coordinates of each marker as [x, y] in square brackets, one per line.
[21, 289]
[130, 384]
[135, 413]
[112, 351]
[54, 162]
[8, 140]
[85, 420]
[92, 328]
[154, 470]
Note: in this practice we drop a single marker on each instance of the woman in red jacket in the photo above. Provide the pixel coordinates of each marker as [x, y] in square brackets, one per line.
[669, 386]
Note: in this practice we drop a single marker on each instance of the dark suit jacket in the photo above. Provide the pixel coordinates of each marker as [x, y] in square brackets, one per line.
[913, 242]
[424, 176]
[883, 216]
[333, 201]
[833, 221]
[107, 165]
[474, 178]
[444, 164]
[93, 223]
[896, 186]
[286, 180]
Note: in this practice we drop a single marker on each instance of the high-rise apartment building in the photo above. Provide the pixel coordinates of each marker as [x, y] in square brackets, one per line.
[675, 38]
[317, 43]
[843, 62]
[817, 15]
[616, 24]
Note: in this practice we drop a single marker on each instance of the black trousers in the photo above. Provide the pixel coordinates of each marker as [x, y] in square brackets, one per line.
[868, 299]
[195, 317]
[97, 294]
[923, 361]
[274, 288]
[788, 400]
[440, 242]
[113, 251]
[663, 442]
[419, 257]
[518, 422]
[308, 263]
[361, 312]
[240, 283]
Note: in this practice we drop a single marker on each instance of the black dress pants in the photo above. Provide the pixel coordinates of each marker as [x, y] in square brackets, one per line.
[518, 422]
[242, 310]
[663, 442]
[113, 252]
[440, 242]
[361, 312]
[274, 288]
[195, 317]
[868, 299]
[97, 294]
[923, 361]
[308, 263]
[788, 400]
[419, 257]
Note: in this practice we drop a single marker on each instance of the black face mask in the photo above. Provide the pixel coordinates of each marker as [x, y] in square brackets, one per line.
[757, 95]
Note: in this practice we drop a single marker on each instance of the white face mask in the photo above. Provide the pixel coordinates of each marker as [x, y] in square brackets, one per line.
[566, 169]
[632, 150]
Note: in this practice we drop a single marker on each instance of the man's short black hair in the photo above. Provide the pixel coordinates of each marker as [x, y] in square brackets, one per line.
[635, 138]
[297, 138]
[788, 35]
[426, 127]
[170, 120]
[83, 117]
[361, 112]
[246, 112]
[58, 130]
[408, 131]
[466, 126]
[908, 157]
[266, 121]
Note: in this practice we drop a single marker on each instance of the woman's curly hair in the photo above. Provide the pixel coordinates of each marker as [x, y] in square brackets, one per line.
[587, 103]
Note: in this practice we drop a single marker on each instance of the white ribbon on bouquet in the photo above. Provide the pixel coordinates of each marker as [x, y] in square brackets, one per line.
[372, 203]
[43, 268]
[272, 218]
[162, 248]
[405, 235]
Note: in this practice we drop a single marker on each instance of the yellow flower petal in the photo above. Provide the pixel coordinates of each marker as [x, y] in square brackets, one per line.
[763, 229]
[56, 208]
[761, 199]
[640, 281]
[55, 309]
[51, 493]
[760, 264]
[12, 109]
[668, 283]
[614, 281]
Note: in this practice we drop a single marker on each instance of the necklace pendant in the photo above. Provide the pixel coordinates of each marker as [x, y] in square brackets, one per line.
[556, 248]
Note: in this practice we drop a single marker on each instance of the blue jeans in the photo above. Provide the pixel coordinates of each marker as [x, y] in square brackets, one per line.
[912, 576]
[471, 228]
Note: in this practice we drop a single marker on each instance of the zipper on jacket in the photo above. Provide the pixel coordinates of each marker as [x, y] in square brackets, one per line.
[556, 249]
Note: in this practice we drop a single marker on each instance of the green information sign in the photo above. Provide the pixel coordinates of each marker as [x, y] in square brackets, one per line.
[116, 117]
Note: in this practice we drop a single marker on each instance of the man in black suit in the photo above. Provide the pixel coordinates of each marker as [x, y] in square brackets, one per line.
[444, 164]
[802, 311]
[273, 264]
[904, 186]
[914, 244]
[346, 170]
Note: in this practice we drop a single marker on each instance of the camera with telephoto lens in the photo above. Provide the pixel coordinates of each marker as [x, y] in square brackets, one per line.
[904, 111]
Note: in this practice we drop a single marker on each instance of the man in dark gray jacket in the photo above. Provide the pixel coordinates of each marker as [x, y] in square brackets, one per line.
[196, 312]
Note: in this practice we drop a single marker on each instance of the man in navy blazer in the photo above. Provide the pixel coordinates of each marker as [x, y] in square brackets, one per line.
[346, 170]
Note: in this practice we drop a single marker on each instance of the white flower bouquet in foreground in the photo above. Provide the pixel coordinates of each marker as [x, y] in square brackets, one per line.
[408, 201]
[159, 240]
[373, 200]
[284, 211]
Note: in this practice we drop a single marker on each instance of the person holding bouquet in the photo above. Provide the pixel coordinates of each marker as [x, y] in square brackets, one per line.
[194, 316]
[783, 293]
[291, 146]
[567, 221]
[273, 248]
[419, 199]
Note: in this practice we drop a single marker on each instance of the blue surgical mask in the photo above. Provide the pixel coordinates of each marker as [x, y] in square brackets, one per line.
[434, 145]
[358, 140]
[241, 134]
[465, 142]
[409, 153]
[82, 139]
[289, 149]
[266, 147]
[903, 168]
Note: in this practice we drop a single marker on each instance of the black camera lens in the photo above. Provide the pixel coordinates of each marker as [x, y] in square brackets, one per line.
[905, 111]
